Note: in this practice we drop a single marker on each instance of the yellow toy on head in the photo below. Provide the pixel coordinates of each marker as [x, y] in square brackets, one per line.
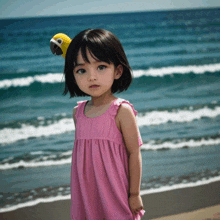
[59, 44]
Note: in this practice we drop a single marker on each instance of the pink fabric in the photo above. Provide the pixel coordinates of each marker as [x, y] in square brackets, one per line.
[99, 171]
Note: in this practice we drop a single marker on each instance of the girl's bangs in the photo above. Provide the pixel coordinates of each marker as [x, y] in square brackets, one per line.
[97, 52]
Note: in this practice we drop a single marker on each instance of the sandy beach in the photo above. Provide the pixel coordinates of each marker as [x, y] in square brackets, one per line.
[197, 203]
[210, 213]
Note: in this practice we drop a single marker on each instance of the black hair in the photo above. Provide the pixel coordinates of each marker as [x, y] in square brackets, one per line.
[102, 45]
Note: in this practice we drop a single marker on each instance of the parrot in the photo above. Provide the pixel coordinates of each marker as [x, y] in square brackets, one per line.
[59, 44]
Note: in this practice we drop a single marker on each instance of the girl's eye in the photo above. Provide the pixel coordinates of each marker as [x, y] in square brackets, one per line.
[102, 67]
[80, 71]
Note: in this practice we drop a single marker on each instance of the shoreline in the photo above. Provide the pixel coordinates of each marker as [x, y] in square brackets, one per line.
[181, 201]
[162, 204]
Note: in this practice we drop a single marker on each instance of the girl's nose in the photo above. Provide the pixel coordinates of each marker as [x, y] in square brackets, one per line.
[92, 75]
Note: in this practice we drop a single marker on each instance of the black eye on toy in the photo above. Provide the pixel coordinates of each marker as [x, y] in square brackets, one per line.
[60, 41]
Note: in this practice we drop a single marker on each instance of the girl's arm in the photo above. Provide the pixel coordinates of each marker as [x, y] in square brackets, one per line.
[130, 134]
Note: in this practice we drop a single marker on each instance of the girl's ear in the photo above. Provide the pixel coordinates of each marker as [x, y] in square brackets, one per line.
[118, 71]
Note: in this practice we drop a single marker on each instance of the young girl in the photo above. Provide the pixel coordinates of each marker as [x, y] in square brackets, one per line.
[106, 159]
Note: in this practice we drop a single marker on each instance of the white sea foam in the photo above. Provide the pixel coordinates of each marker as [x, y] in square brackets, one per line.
[35, 202]
[37, 152]
[161, 117]
[58, 77]
[142, 192]
[27, 81]
[180, 186]
[180, 144]
[10, 135]
[34, 163]
[178, 69]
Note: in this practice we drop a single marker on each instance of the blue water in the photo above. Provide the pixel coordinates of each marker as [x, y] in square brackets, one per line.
[175, 57]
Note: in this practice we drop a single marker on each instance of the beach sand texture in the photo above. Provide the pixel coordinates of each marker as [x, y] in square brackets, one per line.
[210, 213]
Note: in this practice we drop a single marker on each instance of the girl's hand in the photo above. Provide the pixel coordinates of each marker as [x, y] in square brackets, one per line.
[135, 203]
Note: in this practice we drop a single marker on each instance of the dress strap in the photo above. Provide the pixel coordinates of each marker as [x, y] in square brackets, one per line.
[113, 111]
[80, 108]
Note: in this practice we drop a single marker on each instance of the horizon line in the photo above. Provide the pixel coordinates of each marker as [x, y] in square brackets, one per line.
[109, 13]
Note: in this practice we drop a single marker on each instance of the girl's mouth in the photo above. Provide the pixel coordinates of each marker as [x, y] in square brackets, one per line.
[94, 86]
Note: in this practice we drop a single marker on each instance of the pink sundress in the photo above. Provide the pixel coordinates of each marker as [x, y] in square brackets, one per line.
[99, 171]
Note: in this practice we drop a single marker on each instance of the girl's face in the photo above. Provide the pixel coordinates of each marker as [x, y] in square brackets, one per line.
[96, 77]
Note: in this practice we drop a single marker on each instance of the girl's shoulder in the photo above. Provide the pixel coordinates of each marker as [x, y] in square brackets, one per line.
[122, 105]
[77, 107]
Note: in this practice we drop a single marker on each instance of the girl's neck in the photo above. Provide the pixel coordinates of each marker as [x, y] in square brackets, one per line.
[102, 100]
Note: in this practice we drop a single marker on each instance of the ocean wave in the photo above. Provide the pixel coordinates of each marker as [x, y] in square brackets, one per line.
[154, 72]
[26, 131]
[178, 70]
[27, 81]
[181, 116]
[24, 164]
[176, 144]
[10, 135]
[9, 208]
[187, 184]
[44, 158]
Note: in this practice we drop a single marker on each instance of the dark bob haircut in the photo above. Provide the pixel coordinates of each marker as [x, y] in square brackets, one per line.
[103, 46]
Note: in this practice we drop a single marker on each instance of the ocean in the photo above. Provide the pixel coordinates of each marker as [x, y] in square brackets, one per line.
[175, 57]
